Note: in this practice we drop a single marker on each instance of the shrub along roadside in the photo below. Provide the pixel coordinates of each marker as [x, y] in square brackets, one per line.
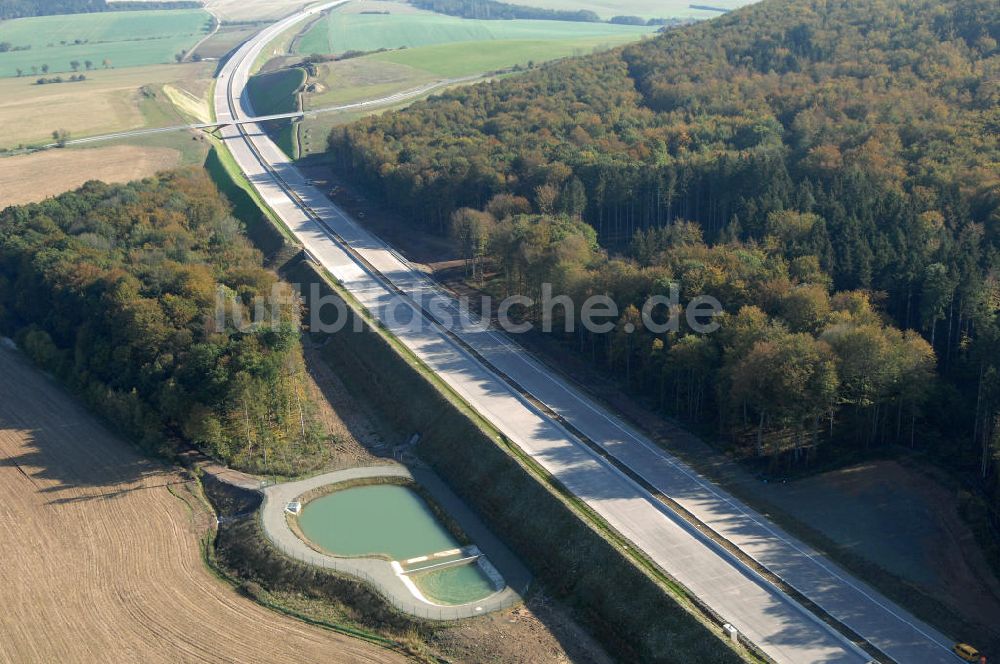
[265, 231]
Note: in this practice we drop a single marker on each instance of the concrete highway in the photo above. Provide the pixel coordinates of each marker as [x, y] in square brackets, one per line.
[496, 377]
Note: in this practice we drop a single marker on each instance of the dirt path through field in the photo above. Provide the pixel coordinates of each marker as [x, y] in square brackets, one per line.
[100, 551]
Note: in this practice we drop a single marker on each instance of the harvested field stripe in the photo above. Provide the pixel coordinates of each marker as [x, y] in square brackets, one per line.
[102, 562]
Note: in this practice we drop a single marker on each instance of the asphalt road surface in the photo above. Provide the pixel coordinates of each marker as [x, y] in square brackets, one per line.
[480, 365]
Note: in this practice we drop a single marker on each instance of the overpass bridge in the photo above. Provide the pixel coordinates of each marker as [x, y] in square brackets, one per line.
[218, 125]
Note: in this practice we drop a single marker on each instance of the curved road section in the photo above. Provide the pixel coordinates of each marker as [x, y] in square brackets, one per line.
[495, 376]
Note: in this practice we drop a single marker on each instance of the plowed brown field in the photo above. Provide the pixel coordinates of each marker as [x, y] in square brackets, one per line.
[99, 555]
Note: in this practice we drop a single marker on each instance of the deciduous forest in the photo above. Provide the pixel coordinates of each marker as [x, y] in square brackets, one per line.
[828, 169]
[115, 290]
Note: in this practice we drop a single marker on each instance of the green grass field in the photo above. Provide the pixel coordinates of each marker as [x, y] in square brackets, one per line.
[358, 79]
[383, 74]
[341, 32]
[274, 92]
[467, 58]
[226, 39]
[125, 39]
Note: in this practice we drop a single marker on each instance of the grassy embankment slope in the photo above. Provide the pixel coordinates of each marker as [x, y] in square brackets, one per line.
[278, 92]
[124, 39]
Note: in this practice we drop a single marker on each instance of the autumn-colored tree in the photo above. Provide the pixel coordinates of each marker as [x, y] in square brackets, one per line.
[789, 380]
[114, 290]
[471, 229]
[783, 158]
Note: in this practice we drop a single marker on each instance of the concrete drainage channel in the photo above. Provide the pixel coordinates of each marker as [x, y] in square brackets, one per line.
[369, 523]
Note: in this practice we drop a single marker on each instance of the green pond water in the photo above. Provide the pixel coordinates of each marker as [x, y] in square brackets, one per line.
[456, 585]
[382, 518]
[394, 521]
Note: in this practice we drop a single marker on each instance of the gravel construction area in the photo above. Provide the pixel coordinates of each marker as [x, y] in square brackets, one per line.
[904, 521]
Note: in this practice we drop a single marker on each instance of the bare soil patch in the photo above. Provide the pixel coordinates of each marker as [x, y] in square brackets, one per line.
[522, 636]
[355, 438]
[905, 521]
[34, 177]
[101, 551]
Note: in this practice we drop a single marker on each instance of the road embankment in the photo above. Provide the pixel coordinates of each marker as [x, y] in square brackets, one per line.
[623, 600]
[631, 610]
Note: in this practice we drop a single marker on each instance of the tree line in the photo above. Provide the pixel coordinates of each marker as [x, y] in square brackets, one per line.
[116, 290]
[7, 47]
[25, 8]
[74, 78]
[74, 65]
[793, 366]
[493, 10]
[847, 149]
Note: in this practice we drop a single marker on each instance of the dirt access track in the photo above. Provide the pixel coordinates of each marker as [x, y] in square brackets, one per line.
[100, 555]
